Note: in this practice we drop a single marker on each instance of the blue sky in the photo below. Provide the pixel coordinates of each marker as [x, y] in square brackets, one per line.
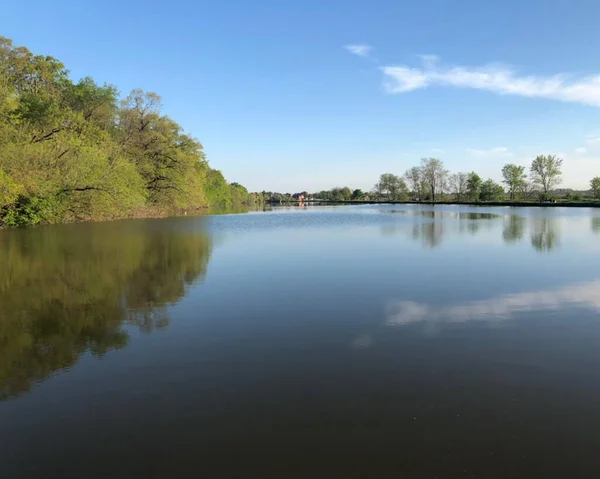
[294, 95]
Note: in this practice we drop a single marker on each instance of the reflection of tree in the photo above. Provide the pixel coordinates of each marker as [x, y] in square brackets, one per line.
[514, 229]
[544, 234]
[430, 232]
[68, 290]
[596, 224]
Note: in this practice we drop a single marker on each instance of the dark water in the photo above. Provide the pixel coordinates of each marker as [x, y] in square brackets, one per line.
[351, 342]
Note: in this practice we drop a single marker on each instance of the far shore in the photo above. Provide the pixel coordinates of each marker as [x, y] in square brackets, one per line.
[537, 204]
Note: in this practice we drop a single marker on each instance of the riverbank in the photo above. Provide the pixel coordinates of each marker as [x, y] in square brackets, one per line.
[537, 204]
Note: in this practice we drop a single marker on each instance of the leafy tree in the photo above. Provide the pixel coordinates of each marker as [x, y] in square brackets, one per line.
[515, 178]
[458, 185]
[391, 186]
[346, 193]
[545, 171]
[491, 191]
[595, 185]
[414, 180]
[238, 194]
[434, 174]
[474, 183]
[71, 151]
[358, 194]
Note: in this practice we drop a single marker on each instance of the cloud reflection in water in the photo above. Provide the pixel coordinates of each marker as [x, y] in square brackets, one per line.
[494, 309]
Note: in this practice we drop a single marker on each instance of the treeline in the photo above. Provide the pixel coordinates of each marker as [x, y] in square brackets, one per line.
[341, 194]
[431, 182]
[73, 151]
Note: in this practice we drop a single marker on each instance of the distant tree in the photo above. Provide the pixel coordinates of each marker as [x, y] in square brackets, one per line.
[491, 191]
[434, 174]
[474, 182]
[414, 179]
[346, 193]
[529, 190]
[358, 194]
[595, 184]
[515, 179]
[458, 185]
[391, 186]
[545, 171]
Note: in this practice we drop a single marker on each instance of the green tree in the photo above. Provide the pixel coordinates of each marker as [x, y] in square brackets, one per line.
[458, 185]
[71, 151]
[515, 179]
[392, 187]
[435, 175]
[238, 194]
[358, 194]
[346, 193]
[546, 172]
[414, 180]
[491, 191]
[474, 183]
[594, 184]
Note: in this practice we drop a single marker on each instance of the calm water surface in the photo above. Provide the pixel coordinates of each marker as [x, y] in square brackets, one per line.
[352, 342]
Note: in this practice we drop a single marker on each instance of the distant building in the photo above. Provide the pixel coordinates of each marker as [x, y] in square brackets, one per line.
[300, 196]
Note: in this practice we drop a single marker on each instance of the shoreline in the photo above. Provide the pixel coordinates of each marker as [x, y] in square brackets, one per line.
[578, 204]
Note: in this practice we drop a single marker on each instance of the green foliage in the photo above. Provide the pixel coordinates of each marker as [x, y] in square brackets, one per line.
[491, 191]
[434, 176]
[358, 194]
[414, 179]
[594, 184]
[238, 193]
[217, 190]
[73, 152]
[391, 187]
[545, 171]
[515, 179]
[474, 183]
[336, 194]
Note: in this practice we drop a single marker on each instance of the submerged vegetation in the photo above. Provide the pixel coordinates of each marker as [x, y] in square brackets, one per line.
[73, 151]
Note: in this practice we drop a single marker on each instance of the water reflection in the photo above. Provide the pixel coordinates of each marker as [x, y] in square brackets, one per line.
[443, 214]
[544, 234]
[584, 295]
[596, 224]
[431, 227]
[514, 229]
[430, 233]
[69, 290]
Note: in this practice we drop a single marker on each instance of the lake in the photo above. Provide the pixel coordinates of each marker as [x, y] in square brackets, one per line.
[369, 341]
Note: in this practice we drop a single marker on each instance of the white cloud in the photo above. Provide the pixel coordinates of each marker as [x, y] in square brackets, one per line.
[496, 151]
[359, 49]
[594, 140]
[580, 151]
[437, 150]
[494, 78]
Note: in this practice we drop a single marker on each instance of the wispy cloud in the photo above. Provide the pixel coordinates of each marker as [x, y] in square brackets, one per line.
[496, 151]
[359, 49]
[495, 78]
[594, 140]
[437, 150]
[580, 151]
